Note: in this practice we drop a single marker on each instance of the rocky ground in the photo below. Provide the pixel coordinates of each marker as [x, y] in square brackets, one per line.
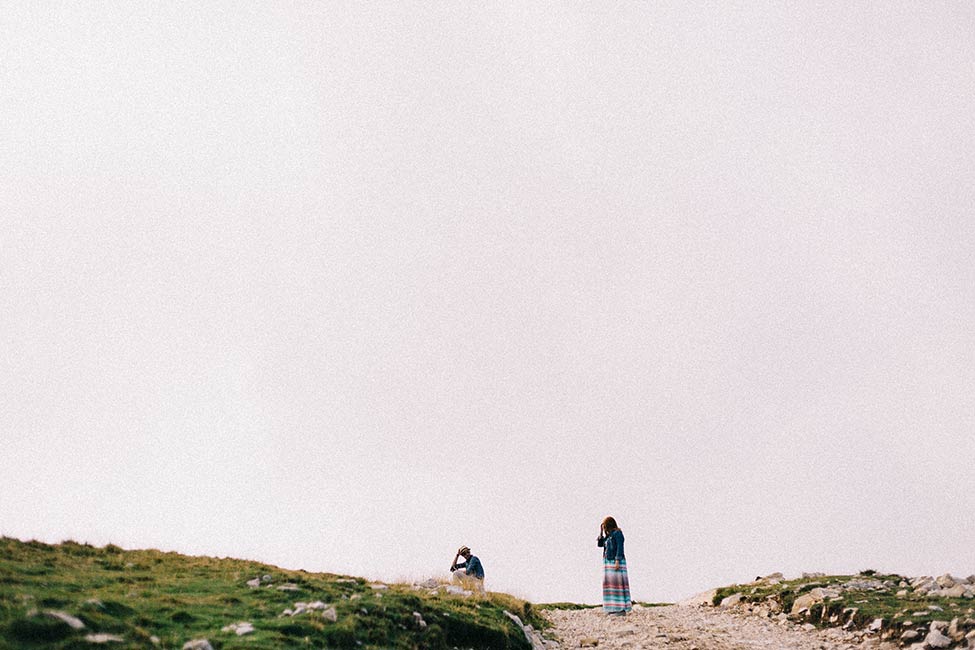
[814, 612]
[679, 627]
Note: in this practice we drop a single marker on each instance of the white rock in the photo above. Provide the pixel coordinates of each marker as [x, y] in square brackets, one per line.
[808, 627]
[378, 586]
[266, 578]
[103, 638]
[155, 640]
[902, 593]
[954, 632]
[254, 584]
[946, 581]
[74, 623]
[289, 586]
[197, 644]
[935, 639]
[317, 605]
[240, 629]
[910, 635]
[876, 625]
[288, 612]
[732, 600]
[805, 601]
[330, 614]
[956, 591]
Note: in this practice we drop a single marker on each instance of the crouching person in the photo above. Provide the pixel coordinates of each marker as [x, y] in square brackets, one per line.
[468, 573]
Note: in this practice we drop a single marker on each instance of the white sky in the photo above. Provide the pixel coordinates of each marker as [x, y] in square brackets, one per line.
[342, 286]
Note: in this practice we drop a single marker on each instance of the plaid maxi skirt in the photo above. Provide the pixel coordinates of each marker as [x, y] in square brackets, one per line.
[616, 587]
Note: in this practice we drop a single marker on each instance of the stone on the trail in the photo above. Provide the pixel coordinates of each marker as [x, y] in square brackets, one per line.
[808, 627]
[946, 581]
[805, 601]
[935, 639]
[876, 625]
[197, 644]
[330, 614]
[956, 633]
[910, 635]
[588, 642]
[104, 638]
[73, 623]
[254, 584]
[732, 600]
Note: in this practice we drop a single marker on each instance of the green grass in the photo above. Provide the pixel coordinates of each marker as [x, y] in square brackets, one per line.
[869, 604]
[143, 594]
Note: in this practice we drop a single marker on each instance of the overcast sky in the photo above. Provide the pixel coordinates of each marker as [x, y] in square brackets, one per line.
[343, 286]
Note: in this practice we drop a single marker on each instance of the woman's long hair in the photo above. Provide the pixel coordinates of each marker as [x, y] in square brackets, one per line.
[608, 526]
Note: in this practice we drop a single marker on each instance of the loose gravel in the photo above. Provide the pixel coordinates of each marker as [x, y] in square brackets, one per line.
[679, 627]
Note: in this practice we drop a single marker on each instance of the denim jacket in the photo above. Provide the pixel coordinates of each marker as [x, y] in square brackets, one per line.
[612, 546]
[472, 567]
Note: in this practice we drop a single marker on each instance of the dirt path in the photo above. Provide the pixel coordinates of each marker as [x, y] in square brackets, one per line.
[696, 628]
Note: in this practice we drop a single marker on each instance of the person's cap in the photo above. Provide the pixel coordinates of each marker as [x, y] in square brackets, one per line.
[462, 550]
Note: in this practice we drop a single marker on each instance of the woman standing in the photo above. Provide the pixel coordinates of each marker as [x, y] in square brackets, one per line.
[616, 584]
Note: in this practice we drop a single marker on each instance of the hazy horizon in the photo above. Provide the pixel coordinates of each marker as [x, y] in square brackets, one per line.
[342, 287]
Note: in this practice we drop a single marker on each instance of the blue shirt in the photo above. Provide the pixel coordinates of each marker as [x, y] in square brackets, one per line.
[472, 567]
[612, 545]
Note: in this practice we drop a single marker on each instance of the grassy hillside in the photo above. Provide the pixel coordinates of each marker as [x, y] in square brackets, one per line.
[151, 599]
